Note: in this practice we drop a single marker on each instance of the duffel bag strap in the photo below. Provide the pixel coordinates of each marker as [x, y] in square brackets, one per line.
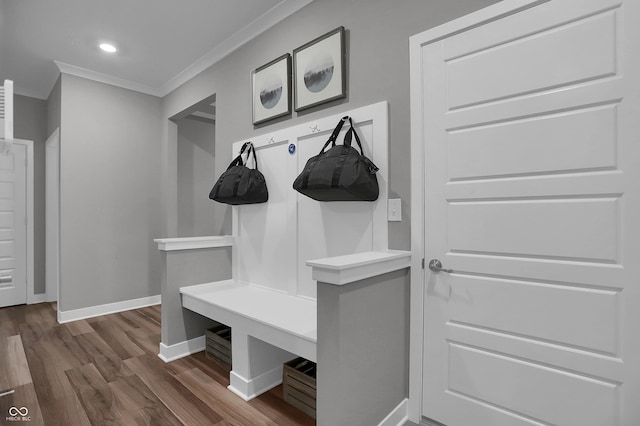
[248, 148]
[334, 135]
[348, 136]
[347, 141]
[238, 160]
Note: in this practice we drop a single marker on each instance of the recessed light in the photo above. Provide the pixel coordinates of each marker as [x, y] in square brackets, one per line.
[110, 48]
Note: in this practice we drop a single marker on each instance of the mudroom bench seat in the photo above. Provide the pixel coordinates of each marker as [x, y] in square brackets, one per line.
[286, 321]
[268, 328]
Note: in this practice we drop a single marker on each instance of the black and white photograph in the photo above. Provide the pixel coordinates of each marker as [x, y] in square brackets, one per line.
[320, 70]
[271, 89]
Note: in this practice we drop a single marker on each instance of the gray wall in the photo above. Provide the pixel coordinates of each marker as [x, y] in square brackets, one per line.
[110, 186]
[53, 107]
[363, 349]
[195, 177]
[30, 122]
[378, 34]
[184, 268]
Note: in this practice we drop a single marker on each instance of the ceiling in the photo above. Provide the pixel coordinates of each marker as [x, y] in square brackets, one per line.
[161, 43]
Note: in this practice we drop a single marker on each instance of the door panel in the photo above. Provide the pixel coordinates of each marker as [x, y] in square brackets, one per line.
[530, 134]
[498, 382]
[13, 237]
[539, 148]
[568, 53]
[548, 228]
[539, 311]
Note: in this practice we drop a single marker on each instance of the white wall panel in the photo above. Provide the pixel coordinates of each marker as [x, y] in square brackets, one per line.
[276, 238]
[266, 231]
[327, 229]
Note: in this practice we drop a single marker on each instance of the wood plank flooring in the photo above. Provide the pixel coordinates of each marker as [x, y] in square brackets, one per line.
[105, 371]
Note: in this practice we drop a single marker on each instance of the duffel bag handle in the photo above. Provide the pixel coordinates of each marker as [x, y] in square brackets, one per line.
[250, 149]
[348, 137]
[347, 141]
[238, 161]
[334, 135]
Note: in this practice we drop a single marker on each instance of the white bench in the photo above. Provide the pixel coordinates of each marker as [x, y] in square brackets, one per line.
[271, 243]
[287, 323]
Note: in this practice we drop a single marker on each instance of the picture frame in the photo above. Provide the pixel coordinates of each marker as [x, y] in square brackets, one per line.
[320, 70]
[271, 90]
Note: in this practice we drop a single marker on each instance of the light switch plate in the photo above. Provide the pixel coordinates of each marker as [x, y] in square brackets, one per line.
[394, 213]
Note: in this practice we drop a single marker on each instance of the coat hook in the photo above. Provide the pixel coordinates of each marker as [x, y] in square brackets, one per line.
[314, 128]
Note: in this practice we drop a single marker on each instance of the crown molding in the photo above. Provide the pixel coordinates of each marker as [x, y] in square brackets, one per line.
[249, 32]
[107, 79]
[272, 17]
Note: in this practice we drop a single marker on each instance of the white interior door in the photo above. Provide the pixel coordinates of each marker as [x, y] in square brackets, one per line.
[532, 198]
[13, 226]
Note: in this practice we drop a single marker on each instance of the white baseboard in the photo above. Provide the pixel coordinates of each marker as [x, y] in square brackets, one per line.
[36, 298]
[249, 389]
[398, 416]
[182, 349]
[109, 308]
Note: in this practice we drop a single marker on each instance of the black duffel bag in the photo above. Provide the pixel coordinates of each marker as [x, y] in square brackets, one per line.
[341, 173]
[239, 184]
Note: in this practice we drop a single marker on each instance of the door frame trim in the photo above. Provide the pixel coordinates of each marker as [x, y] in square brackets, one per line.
[52, 242]
[416, 42]
[31, 297]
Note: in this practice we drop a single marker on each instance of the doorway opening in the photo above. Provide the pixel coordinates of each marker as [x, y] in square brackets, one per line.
[196, 127]
[16, 224]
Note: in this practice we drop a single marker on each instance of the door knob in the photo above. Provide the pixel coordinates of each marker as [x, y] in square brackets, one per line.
[436, 266]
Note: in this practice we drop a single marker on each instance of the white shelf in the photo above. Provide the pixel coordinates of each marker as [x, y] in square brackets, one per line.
[191, 243]
[341, 270]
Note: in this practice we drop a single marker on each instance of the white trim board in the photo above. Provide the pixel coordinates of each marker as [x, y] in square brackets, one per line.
[398, 416]
[52, 215]
[249, 389]
[176, 351]
[108, 308]
[191, 243]
[31, 296]
[416, 42]
[342, 270]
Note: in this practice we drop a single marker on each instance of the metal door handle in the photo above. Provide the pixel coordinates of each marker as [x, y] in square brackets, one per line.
[436, 266]
[6, 279]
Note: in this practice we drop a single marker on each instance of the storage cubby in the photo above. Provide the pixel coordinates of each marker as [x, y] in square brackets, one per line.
[299, 385]
[219, 344]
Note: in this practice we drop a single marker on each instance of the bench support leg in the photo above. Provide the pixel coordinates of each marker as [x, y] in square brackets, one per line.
[257, 365]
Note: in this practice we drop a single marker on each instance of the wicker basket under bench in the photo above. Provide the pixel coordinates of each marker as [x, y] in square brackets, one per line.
[219, 343]
[299, 385]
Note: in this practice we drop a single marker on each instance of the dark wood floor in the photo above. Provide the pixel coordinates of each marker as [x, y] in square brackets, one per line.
[105, 371]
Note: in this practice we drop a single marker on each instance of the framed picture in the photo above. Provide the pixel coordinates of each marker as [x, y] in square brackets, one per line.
[271, 88]
[319, 70]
